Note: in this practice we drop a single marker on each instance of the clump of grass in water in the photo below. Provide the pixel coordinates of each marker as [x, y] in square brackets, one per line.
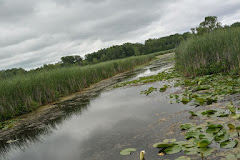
[22, 94]
[218, 51]
[162, 76]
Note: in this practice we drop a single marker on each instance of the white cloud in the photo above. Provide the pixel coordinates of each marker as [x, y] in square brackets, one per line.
[37, 32]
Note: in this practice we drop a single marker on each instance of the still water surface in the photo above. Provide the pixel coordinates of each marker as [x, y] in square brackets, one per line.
[101, 126]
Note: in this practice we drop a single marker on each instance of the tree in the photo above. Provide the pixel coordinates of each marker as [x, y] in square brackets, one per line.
[71, 60]
[208, 25]
[136, 51]
[236, 24]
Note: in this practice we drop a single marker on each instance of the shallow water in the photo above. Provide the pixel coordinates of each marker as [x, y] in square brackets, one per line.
[99, 127]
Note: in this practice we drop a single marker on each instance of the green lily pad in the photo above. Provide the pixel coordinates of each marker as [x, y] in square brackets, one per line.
[191, 151]
[221, 132]
[222, 138]
[163, 145]
[183, 158]
[231, 126]
[127, 151]
[192, 134]
[233, 133]
[212, 130]
[186, 126]
[211, 100]
[209, 112]
[172, 150]
[231, 108]
[169, 140]
[200, 101]
[238, 128]
[185, 143]
[209, 137]
[222, 114]
[203, 87]
[228, 144]
[235, 116]
[172, 140]
[203, 143]
[164, 88]
[231, 157]
[166, 141]
[205, 151]
[192, 113]
[185, 100]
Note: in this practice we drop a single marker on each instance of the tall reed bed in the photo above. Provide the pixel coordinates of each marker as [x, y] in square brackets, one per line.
[22, 94]
[218, 51]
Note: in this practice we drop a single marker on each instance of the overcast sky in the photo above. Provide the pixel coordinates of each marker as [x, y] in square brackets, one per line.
[37, 32]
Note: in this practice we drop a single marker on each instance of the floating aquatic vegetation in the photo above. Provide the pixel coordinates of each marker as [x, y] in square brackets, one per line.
[149, 90]
[127, 151]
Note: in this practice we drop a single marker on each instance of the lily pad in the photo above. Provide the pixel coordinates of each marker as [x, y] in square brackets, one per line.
[203, 143]
[183, 158]
[185, 100]
[222, 138]
[191, 151]
[127, 151]
[163, 145]
[209, 137]
[228, 144]
[192, 113]
[212, 130]
[172, 150]
[231, 157]
[192, 134]
[205, 151]
[231, 108]
[231, 126]
[235, 116]
[200, 101]
[209, 112]
[186, 126]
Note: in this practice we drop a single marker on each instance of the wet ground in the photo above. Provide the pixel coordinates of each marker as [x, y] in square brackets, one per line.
[98, 123]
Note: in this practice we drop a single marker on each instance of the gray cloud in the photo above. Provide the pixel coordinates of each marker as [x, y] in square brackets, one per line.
[37, 32]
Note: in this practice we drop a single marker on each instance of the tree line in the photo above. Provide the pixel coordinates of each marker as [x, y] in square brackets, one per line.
[107, 54]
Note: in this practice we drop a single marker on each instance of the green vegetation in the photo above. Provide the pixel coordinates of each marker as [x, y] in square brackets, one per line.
[127, 151]
[207, 89]
[215, 51]
[159, 46]
[162, 76]
[199, 139]
[22, 94]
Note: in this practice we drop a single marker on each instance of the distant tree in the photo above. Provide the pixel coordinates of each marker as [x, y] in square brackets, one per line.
[71, 60]
[136, 51]
[8, 73]
[103, 58]
[209, 24]
[236, 24]
[95, 60]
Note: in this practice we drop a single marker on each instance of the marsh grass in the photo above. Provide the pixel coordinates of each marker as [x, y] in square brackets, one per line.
[22, 94]
[218, 51]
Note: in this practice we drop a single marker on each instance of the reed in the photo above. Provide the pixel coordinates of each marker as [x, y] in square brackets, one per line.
[22, 94]
[218, 51]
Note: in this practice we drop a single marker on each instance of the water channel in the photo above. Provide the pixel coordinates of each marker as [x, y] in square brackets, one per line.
[100, 126]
